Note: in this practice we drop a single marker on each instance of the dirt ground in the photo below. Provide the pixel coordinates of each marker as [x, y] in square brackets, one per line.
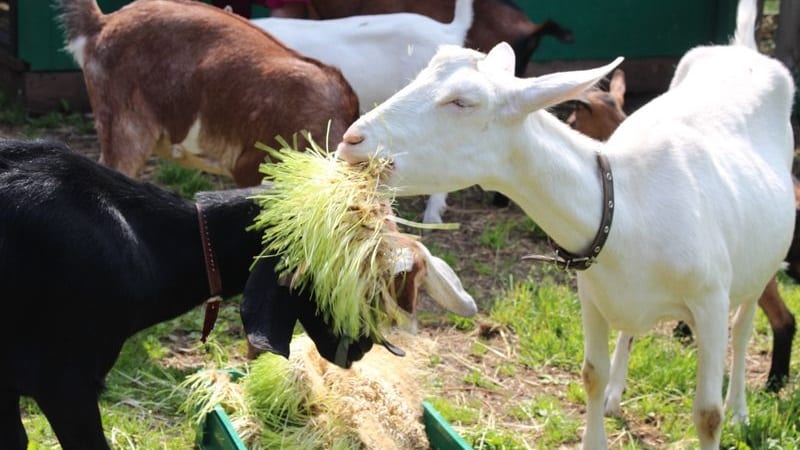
[473, 210]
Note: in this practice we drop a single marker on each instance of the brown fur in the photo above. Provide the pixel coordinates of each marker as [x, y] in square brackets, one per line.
[599, 113]
[709, 422]
[589, 377]
[157, 66]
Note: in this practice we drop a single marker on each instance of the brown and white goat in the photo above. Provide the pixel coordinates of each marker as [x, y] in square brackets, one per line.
[597, 114]
[195, 83]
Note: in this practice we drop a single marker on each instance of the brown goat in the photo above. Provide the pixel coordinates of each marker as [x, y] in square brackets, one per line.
[198, 84]
[597, 115]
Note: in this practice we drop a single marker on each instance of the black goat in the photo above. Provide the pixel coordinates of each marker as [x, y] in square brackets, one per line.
[89, 257]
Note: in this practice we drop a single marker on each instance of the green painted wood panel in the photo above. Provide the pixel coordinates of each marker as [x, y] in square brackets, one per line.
[40, 41]
[631, 28]
[602, 29]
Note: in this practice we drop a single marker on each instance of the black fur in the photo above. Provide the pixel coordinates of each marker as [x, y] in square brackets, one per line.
[89, 257]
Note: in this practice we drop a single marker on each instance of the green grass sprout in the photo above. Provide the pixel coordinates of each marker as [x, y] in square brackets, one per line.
[327, 220]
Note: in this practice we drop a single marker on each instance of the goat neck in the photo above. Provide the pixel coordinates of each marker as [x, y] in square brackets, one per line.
[560, 184]
[227, 215]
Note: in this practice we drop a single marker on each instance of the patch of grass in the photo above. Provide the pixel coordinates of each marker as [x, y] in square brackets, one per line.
[496, 236]
[478, 349]
[547, 412]
[507, 370]
[476, 378]
[482, 268]
[771, 7]
[528, 226]
[186, 182]
[546, 318]
[495, 439]
[12, 113]
[575, 393]
[773, 422]
[455, 414]
[462, 323]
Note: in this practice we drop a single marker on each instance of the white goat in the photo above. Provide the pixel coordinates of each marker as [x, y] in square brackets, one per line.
[378, 54]
[694, 170]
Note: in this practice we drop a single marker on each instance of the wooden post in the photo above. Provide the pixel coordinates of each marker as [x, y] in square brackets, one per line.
[787, 37]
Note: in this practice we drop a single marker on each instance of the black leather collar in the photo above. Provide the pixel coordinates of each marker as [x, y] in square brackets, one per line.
[567, 260]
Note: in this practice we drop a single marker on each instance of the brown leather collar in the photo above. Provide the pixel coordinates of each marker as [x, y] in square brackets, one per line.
[567, 260]
[212, 272]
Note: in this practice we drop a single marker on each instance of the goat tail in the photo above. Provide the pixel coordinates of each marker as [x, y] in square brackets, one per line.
[554, 29]
[745, 34]
[462, 17]
[80, 18]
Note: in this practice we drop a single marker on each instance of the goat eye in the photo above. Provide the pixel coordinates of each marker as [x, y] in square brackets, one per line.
[461, 103]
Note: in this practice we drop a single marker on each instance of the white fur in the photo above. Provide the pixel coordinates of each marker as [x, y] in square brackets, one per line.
[378, 54]
[694, 170]
[436, 205]
[76, 47]
[440, 281]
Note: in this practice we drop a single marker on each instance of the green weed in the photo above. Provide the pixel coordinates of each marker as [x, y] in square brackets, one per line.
[496, 236]
[462, 323]
[546, 319]
[456, 415]
[12, 113]
[186, 182]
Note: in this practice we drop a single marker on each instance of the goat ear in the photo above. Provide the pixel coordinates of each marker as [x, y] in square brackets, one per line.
[267, 311]
[409, 270]
[537, 93]
[444, 286]
[617, 87]
[500, 59]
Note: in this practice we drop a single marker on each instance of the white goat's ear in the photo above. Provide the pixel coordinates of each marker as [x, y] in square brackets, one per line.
[500, 59]
[547, 90]
[444, 286]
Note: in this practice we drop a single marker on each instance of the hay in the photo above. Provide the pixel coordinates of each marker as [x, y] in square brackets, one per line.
[327, 222]
[376, 405]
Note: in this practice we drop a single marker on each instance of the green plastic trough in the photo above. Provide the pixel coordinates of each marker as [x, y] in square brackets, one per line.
[217, 433]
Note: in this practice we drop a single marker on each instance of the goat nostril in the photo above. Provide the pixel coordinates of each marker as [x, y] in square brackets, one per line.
[352, 138]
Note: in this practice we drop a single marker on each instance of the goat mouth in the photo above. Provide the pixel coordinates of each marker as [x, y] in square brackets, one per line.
[380, 167]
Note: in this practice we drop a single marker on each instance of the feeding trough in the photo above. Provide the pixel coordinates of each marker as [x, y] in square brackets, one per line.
[217, 433]
[377, 398]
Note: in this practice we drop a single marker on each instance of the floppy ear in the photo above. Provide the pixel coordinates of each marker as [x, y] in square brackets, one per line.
[409, 273]
[532, 94]
[444, 286]
[267, 311]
